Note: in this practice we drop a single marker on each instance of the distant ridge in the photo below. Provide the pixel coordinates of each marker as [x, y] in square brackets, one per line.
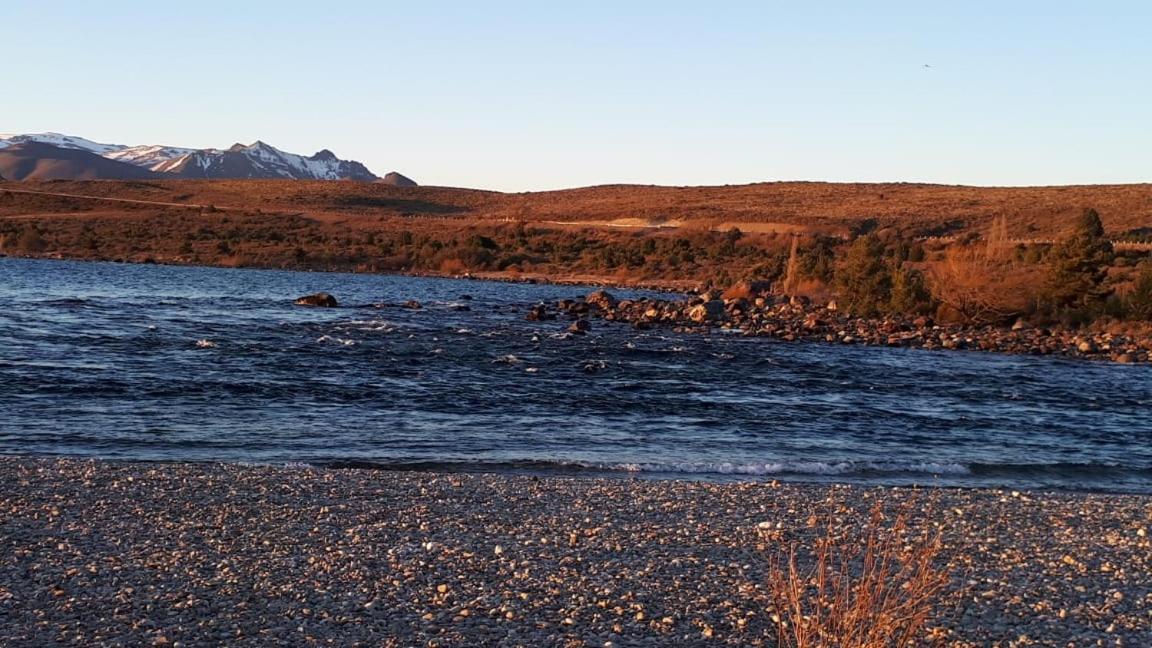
[258, 160]
[397, 180]
[38, 161]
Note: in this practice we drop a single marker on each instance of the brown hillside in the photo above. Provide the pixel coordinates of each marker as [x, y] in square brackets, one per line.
[38, 161]
[913, 209]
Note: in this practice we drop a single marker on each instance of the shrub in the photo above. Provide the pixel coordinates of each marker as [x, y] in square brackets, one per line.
[31, 241]
[976, 290]
[1139, 303]
[872, 588]
[452, 266]
[910, 294]
[863, 279]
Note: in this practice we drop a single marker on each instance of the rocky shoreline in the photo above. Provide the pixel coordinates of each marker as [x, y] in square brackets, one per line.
[99, 553]
[796, 318]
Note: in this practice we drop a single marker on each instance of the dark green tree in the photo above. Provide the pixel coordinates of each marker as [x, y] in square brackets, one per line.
[910, 294]
[1140, 299]
[1080, 266]
[863, 278]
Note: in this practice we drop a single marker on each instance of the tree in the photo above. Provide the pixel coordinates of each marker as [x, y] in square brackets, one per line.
[910, 295]
[863, 278]
[1140, 299]
[1079, 267]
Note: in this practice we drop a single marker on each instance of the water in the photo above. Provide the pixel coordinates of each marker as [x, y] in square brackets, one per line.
[201, 364]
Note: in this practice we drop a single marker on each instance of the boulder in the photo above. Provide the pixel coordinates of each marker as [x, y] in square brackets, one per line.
[539, 313]
[601, 299]
[321, 299]
[709, 311]
[413, 304]
[580, 327]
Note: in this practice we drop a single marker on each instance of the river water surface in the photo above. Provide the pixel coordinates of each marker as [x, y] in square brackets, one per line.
[159, 363]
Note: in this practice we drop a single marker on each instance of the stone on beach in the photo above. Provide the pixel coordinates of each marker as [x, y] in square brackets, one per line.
[111, 553]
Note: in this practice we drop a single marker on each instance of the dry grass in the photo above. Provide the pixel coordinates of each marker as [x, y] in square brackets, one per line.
[777, 207]
[875, 586]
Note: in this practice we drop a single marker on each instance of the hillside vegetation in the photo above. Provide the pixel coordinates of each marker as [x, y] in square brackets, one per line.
[962, 253]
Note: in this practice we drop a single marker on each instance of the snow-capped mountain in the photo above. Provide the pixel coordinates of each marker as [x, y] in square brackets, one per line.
[62, 141]
[257, 160]
[148, 156]
[260, 160]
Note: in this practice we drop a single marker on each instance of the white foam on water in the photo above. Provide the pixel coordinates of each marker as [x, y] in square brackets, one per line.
[374, 326]
[335, 340]
[796, 468]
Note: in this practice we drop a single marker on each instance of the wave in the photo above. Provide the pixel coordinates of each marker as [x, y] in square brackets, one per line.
[694, 468]
[335, 340]
[846, 468]
[879, 471]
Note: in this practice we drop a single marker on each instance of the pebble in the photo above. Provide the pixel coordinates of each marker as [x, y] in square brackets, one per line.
[109, 553]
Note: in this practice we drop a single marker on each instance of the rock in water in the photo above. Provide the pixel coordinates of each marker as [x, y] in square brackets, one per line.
[539, 313]
[321, 299]
[709, 311]
[601, 299]
[580, 327]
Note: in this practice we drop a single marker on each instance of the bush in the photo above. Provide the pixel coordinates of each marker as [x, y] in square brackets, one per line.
[863, 278]
[910, 295]
[871, 588]
[452, 266]
[31, 241]
[1139, 302]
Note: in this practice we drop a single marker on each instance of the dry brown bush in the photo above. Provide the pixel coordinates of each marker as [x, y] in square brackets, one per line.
[452, 266]
[980, 290]
[875, 586]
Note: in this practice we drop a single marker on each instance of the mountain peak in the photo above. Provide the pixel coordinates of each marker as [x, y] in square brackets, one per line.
[256, 160]
[397, 179]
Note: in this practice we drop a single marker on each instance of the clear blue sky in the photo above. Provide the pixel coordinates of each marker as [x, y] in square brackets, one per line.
[533, 95]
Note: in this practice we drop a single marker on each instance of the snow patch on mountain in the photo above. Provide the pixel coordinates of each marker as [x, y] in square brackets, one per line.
[61, 140]
[149, 156]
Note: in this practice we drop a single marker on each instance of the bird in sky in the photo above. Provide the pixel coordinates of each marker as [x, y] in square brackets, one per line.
[927, 66]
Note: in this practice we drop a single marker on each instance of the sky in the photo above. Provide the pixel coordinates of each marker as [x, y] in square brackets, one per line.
[520, 96]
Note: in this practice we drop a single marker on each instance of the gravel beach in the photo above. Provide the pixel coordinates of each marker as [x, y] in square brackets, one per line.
[105, 553]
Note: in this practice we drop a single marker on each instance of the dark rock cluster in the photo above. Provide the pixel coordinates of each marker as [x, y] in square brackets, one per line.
[796, 318]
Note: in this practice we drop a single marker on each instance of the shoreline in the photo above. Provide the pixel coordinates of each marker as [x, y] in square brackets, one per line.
[677, 286]
[781, 318]
[543, 469]
[112, 553]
